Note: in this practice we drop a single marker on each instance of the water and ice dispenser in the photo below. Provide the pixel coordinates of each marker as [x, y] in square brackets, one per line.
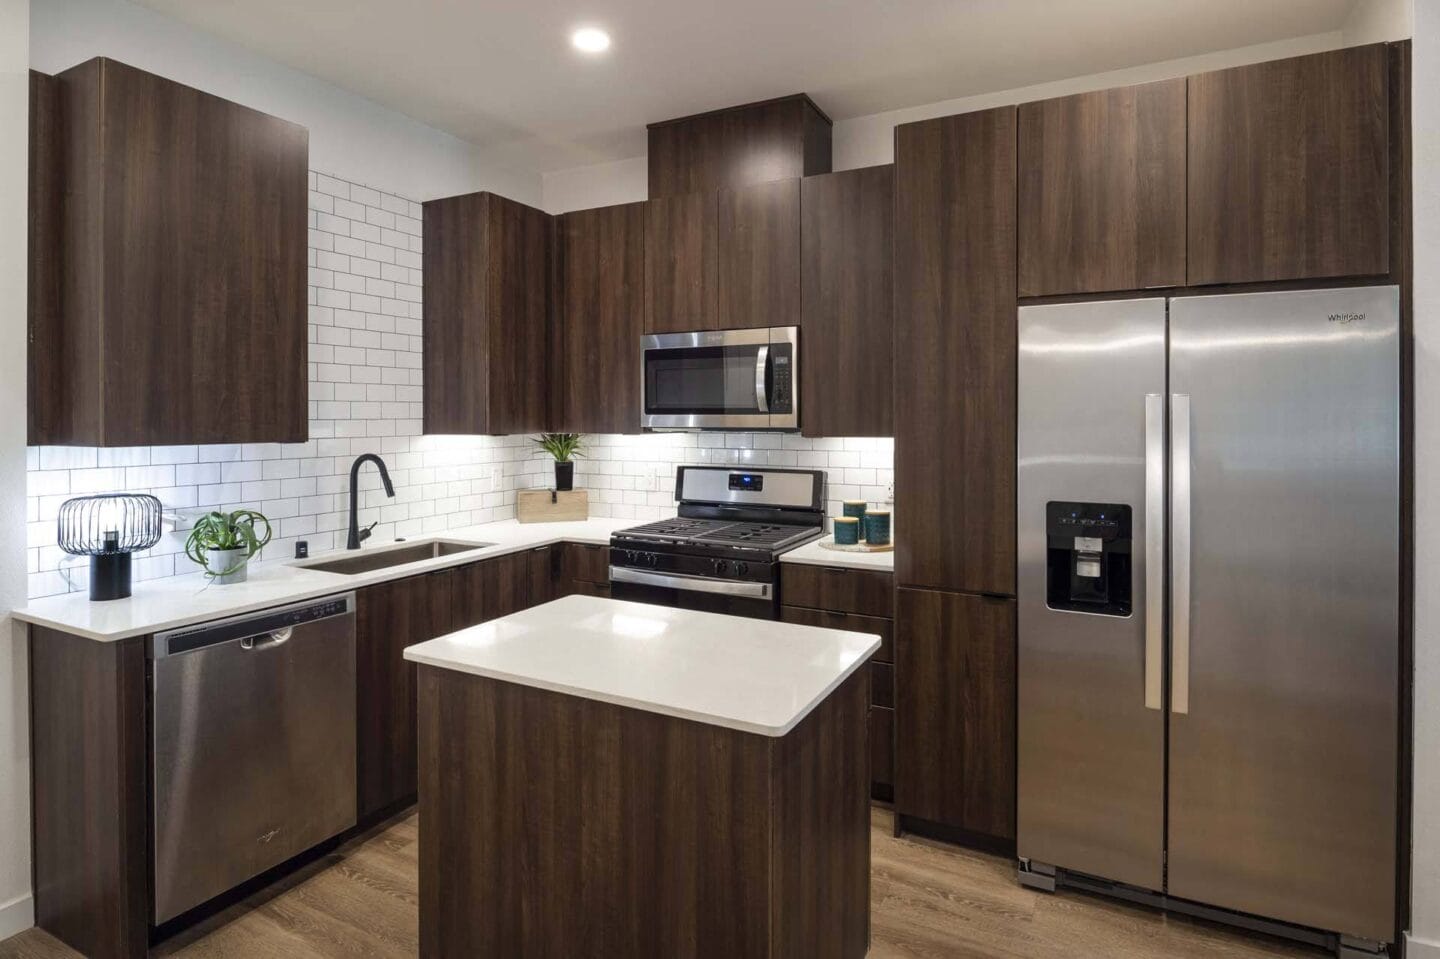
[1088, 557]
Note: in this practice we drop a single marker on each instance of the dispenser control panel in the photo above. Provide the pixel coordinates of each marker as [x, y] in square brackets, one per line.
[1087, 566]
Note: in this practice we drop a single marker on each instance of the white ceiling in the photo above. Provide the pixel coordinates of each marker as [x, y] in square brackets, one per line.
[504, 77]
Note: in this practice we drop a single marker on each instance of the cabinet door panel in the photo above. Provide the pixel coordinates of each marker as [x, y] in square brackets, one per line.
[955, 710]
[681, 260]
[834, 619]
[390, 617]
[847, 293]
[955, 329]
[882, 752]
[1102, 190]
[759, 272]
[541, 567]
[519, 289]
[841, 588]
[1289, 169]
[601, 304]
[490, 589]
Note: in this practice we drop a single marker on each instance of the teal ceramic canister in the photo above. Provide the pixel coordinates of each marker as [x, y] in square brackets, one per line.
[877, 528]
[856, 508]
[847, 530]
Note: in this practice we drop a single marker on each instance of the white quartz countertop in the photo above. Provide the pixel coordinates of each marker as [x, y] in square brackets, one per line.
[184, 600]
[753, 675]
[813, 554]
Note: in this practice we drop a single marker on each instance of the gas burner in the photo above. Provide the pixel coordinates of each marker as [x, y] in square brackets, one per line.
[677, 528]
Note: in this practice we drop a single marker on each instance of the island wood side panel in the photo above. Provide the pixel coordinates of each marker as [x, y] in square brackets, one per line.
[553, 825]
[87, 741]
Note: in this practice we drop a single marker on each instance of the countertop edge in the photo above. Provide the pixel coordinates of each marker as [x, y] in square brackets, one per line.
[336, 584]
[673, 712]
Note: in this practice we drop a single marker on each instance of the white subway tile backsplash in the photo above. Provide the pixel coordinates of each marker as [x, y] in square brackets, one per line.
[365, 396]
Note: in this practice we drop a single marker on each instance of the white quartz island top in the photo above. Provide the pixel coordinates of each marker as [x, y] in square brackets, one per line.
[756, 676]
[184, 600]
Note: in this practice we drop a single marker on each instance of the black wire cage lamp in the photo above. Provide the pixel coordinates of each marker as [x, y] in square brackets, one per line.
[108, 529]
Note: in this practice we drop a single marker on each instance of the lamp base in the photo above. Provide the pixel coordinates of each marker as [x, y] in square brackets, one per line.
[109, 576]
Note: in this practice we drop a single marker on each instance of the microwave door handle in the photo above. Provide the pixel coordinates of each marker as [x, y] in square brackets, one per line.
[762, 365]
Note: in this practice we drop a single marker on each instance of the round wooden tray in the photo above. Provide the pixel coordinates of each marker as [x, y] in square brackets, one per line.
[829, 543]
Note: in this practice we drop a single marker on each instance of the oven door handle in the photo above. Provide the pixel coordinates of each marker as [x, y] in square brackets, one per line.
[762, 366]
[698, 584]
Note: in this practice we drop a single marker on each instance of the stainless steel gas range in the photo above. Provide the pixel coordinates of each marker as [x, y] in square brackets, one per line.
[722, 552]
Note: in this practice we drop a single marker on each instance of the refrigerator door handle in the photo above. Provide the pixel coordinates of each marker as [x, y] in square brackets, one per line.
[1180, 552]
[1154, 549]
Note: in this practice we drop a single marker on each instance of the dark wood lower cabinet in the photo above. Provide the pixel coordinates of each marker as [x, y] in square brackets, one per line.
[955, 710]
[555, 825]
[88, 745]
[490, 589]
[583, 567]
[882, 753]
[389, 617]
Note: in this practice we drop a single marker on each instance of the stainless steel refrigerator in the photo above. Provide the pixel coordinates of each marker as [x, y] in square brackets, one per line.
[1208, 495]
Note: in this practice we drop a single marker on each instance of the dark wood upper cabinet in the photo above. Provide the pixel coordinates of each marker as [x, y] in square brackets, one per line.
[172, 285]
[777, 139]
[1102, 190]
[759, 249]
[389, 617]
[955, 710]
[847, 223]
[955, 328]
[1289, 169]
[602, 285]
[486, 287]
[682, 257]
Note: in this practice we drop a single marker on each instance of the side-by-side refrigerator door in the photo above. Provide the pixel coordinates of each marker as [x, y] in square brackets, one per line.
[1285, 537]
[1090, 513]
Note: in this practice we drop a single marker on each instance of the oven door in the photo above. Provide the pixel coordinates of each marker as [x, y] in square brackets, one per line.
[755, 600]
[725, 379]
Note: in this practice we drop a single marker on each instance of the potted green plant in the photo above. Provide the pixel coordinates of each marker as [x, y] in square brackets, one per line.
[564, 447]
[222, 544]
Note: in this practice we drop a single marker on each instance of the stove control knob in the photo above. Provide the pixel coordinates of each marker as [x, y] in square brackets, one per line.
[741, 569]
[721, 567]
[652, 560]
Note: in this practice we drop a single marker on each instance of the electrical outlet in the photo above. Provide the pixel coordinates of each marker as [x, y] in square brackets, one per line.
[497, 477]
[890, 492]
[650, 479]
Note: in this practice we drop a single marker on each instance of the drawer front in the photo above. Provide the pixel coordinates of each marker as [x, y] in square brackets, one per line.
[590, 589]
[882, 685]
[839, 588]
[882, 746]
[585, 563]
[831, 619]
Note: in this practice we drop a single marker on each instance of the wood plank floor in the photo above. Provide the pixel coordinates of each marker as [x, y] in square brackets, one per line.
[928, 901]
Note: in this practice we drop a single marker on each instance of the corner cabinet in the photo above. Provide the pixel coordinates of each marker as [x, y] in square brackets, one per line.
[487, 265]
[1102, 190]
[847, 229]
[168, 251]
[1289, 169]
[955, 360]
[601, 302]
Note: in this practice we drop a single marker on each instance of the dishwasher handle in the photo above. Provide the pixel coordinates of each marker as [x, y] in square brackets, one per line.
[278, 638]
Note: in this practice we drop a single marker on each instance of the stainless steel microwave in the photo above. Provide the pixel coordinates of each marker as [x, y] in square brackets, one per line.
[721, 379]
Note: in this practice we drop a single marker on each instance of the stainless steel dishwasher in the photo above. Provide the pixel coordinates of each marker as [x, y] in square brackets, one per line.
[253, 739]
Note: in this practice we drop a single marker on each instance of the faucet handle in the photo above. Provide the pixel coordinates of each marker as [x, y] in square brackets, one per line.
[365, 533]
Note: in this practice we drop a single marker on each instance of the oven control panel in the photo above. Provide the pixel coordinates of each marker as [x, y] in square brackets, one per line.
[687, 564]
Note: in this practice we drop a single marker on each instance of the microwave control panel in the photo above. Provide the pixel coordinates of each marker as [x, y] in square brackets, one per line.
[782, 380]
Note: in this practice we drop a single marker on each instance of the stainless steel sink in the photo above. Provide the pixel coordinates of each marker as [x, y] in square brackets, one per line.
[370, 560]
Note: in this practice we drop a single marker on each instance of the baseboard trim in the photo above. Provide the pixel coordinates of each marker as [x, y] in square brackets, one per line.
[17, 915]
[1421, 948]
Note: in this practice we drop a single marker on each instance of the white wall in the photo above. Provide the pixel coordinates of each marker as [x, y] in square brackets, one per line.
[350, 137]
[1377, 21]
[15, 905]
[870, 140]
[1425, 107]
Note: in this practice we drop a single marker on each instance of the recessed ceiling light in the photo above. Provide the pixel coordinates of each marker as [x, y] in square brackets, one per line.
[590, 40]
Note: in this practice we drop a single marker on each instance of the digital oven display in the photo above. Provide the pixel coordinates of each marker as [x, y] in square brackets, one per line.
[753, 482]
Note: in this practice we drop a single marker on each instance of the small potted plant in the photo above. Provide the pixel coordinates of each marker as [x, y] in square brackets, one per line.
[222, 544]
[564, 447]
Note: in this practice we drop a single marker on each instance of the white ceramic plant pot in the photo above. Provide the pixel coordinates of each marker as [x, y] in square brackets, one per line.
[234, 560]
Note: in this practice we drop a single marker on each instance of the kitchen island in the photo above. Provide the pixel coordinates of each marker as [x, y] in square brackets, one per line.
[614, 779]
